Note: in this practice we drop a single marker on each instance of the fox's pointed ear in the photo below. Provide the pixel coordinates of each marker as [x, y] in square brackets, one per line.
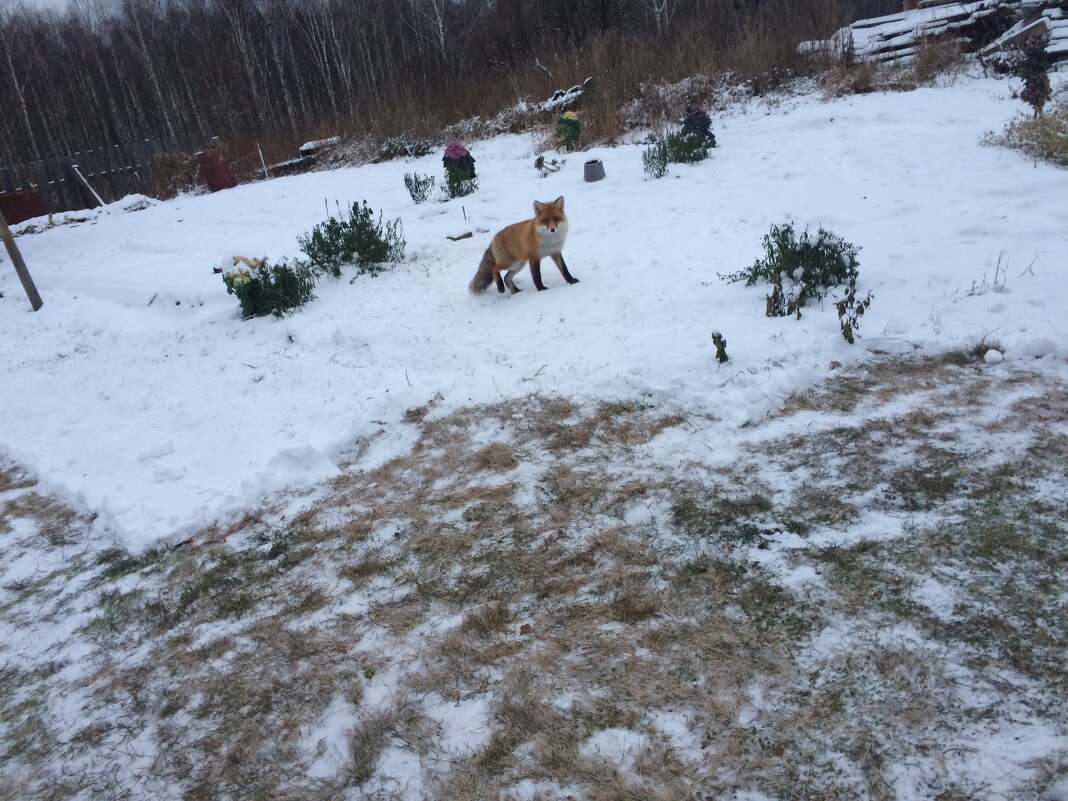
[538, 207]
[559, 203]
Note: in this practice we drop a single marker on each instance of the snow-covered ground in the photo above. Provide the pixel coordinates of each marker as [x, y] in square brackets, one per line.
[139, 393]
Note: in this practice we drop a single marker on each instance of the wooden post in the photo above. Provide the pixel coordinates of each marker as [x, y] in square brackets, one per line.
[145, 174]
[44, 186]
[20, 265]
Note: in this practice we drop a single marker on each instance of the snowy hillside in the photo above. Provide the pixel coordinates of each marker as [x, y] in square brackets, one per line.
[412, 544]
[138, 392]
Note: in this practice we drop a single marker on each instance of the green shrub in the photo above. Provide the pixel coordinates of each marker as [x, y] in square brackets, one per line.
[655, 159]
[802, 269]
[354, 239]
[264, 288]
[816, 263]
[419, 186]
[457, 185]
[686, 148]
[568, 130]
[675, 148]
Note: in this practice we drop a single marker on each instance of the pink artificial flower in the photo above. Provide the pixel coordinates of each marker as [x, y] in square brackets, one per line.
[455, 150]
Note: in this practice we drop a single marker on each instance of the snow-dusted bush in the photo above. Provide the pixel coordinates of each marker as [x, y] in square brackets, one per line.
[419, 186]
[698, 123]
[354, 239]
[804, 268]
[404, 145]
[655, 159]
[456, 186]
[677, 147]
[264, 288]
[687, 148]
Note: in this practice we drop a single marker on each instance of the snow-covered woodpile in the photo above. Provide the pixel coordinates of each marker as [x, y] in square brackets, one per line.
[986, 26]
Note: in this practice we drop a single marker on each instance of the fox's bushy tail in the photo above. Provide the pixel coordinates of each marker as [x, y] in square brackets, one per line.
[484, 277]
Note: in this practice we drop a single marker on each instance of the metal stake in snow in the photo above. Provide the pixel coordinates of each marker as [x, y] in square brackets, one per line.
[87, 185]
[20, 265]
[266, 175]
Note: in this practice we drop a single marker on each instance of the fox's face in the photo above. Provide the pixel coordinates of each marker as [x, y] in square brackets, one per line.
[549, 218]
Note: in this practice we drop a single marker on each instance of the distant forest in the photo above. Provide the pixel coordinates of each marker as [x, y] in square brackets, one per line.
[180, 71]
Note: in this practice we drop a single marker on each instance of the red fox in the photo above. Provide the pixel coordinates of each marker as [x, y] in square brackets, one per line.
[529, 241]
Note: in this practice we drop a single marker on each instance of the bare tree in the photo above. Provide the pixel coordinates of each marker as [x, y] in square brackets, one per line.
[10, 41]
[183, 70]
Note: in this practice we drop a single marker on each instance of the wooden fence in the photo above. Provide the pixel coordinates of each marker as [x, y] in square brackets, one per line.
[53, 184]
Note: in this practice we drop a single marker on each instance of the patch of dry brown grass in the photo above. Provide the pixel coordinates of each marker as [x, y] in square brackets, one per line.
[850, 79]
[14, 477]
[54, 518]
[497, 457]
[879, 381]
[547, 605]
[935, 58]
[1044, 137]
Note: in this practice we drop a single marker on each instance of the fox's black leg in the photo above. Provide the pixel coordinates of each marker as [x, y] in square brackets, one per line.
[508, 280]
[558, 258]
[535, 271]
[499, 281]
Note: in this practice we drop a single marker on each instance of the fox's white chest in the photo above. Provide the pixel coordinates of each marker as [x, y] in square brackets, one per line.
[551, 241]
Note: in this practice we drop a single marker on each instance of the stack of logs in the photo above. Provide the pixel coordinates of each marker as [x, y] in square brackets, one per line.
[988, 27]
